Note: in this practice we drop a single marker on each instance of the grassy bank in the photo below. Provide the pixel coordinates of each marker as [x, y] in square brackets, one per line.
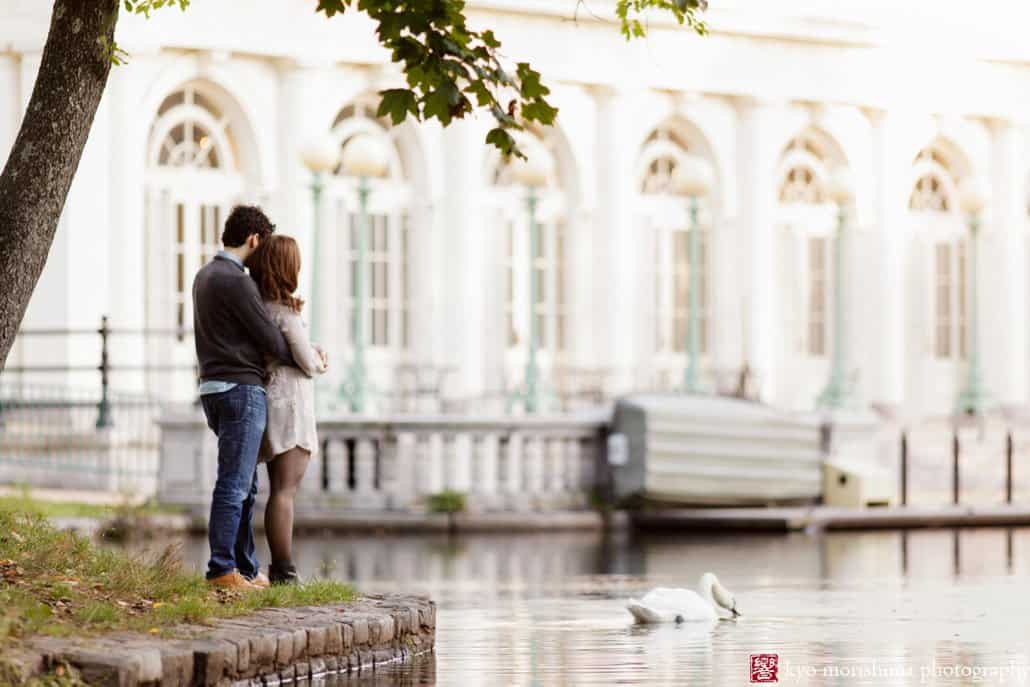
[59, 583]
[24, 501]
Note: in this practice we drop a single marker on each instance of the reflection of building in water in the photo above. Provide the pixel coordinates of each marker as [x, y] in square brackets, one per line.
[198, 121]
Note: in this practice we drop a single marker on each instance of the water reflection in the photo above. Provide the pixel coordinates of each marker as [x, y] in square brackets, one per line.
[548, 609]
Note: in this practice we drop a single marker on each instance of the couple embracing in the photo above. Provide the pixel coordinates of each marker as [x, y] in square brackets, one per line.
[256, 364]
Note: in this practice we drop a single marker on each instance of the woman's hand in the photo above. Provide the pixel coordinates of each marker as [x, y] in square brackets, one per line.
[322, 355]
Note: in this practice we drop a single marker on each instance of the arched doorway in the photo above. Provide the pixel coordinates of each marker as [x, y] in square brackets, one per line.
[193, 178]
[506, 206]
[805, 247]
[387, 310]
[665, 292]
[937, 280]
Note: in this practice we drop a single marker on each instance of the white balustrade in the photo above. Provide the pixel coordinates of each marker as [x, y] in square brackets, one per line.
[423, 467]
[437, 463]
[449, 461]
[396, 463]
[484, 473]
[365, 492]
[556, 465]
[513, 472]
[336, 465]
[534, 465]
[576, 471]
[461, 477]
[405, 480]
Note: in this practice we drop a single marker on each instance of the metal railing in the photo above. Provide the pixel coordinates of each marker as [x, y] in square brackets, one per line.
[59, 428]
[12, 376]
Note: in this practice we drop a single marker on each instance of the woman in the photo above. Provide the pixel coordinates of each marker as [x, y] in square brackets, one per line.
[290, 438]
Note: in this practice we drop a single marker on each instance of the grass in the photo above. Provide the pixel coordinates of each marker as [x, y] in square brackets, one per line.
[24, 502]
[54, 582]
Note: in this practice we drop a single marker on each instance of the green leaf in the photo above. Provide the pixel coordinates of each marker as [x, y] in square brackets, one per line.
[500, 139]
[490, 40]
[397, 103]
[539, 111]
[479, 89]
[331, 7]
[529, 82]
[438, 105]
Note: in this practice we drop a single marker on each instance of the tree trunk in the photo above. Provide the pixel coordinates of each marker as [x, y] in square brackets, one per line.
[42, 163]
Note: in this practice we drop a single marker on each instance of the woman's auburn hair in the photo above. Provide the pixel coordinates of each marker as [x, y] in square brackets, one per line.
[275, 266]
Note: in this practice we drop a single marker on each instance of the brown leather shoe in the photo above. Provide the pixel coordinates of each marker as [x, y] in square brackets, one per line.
[261, 581]
[232, 580]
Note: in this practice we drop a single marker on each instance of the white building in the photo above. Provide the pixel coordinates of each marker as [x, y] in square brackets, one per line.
[216, 104]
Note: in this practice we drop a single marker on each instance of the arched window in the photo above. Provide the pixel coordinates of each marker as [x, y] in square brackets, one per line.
[387, 288]
[800, 186]
[548, 265]
[192, 180]
[804, 206]
[932, 200]
[928, 195]
[665, 214]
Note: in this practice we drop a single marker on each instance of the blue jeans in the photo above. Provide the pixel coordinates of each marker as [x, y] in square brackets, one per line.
[238, 417]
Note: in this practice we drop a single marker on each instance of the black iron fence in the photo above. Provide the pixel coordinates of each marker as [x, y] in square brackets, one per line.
[82, 424]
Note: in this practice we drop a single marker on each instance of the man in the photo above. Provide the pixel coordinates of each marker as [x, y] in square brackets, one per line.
[233, 334]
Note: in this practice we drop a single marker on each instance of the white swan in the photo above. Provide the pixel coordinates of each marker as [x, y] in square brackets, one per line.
[663, 605]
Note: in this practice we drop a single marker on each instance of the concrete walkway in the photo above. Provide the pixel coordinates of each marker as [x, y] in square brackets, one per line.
[828, 518]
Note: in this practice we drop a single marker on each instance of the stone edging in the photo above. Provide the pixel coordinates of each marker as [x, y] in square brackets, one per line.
[267, 647]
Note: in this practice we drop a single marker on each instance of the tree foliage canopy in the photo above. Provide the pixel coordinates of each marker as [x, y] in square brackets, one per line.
[452, 69]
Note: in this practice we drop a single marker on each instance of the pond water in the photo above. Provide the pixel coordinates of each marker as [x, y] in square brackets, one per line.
[936, 607]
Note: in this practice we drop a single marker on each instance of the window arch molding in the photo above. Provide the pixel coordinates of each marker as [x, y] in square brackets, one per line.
[253, 150]
[796, 191]
[934, 186]
[165, 151]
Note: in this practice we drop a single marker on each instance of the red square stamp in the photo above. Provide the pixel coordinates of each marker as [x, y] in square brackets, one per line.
[765, 667]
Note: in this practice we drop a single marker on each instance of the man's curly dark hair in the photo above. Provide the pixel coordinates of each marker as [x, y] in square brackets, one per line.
[243, 221]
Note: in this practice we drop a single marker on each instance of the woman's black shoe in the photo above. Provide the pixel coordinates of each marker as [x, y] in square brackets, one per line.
[283, 574]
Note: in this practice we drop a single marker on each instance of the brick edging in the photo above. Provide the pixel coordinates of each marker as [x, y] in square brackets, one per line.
[262, 648]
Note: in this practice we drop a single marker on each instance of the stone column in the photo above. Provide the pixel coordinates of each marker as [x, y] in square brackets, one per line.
[615, 241]
[757, 150]
[891, 169]
[1003, 269]
[464, 226]
[118, 141]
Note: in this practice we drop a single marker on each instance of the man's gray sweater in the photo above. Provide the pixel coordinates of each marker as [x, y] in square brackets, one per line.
[232, 329]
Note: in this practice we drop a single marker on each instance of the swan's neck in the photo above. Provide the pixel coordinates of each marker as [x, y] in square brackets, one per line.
[707, 595]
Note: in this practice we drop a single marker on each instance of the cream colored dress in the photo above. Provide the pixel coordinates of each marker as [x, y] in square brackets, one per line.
[291, 390]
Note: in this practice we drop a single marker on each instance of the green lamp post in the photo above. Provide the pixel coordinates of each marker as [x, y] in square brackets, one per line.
[320, 156]
[365, 158]
[973, 396]
[532, 173]
[692, 177]
[840, 189]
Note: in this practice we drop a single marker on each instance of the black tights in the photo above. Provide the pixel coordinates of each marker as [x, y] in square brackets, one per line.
[285, 472]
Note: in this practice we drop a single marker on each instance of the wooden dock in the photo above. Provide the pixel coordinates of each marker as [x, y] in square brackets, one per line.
[815, 518]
